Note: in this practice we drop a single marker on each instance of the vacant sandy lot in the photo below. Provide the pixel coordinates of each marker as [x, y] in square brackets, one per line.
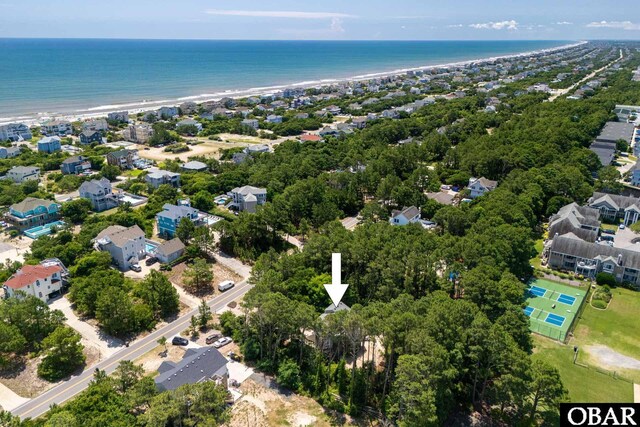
[153, 359]
[220, 273]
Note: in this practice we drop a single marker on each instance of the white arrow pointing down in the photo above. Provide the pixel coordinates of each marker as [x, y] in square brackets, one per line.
[336, 289]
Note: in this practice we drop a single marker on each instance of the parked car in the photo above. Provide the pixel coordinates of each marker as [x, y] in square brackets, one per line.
[179, 341]
[226, 285]
[212, 338]
[608, 231]
[136, 268]
[234, 356]
[222, 342]
[622, 227]
[151, 261]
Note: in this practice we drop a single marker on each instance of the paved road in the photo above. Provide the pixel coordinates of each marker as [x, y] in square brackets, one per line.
[65, 391]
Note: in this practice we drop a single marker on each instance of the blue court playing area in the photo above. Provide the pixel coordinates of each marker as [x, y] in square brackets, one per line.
[528, 311]
[566, 299]
[537, 291]
[554, 319]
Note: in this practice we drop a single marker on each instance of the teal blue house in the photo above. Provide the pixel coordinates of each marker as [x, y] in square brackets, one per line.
[32, 212]
[170, 217]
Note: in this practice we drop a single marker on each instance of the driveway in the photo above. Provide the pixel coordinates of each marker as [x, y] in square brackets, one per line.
[234, 264]
[9, 400]
[350, 222]
[91, 335]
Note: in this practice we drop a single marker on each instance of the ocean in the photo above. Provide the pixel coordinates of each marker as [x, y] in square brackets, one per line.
[43, 77]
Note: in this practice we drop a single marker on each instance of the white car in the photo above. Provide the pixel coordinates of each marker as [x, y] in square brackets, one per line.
[222, 342]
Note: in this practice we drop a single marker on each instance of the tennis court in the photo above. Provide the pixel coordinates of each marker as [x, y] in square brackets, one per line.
[552, 307]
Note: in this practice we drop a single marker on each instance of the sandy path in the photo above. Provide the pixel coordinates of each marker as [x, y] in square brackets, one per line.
[612, 359]
[8, 399]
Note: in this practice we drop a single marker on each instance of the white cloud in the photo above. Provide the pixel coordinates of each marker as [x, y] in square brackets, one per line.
[620, 25]
[501, 25]
[455, 26]
[336, 25]
[279, 14]
[564, 23]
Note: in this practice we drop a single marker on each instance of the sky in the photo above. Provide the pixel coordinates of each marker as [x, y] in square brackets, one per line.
[321, 20]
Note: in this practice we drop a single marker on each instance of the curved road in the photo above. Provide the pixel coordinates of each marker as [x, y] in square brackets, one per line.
[65, 391]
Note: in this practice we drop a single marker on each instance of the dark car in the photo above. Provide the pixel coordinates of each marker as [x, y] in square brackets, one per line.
[179, 341]
[151, 261]
[607, 231]
[212, 338]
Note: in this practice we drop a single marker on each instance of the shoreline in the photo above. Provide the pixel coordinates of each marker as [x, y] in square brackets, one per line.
[142, 106]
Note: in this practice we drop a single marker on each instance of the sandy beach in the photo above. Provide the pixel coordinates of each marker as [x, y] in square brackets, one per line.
[147, 105]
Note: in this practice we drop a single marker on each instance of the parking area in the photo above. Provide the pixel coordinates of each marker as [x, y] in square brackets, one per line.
[624, 239]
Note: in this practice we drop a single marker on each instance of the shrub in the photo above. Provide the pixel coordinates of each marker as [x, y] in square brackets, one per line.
[606, 279]
[598, 304]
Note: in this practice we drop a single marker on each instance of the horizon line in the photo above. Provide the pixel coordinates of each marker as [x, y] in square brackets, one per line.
[305, 40]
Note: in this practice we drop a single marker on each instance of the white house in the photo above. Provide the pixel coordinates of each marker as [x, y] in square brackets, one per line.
[247, 198]
[126, 245]
[20, 174]
[481, 186]
[38, 280]
[408, 215]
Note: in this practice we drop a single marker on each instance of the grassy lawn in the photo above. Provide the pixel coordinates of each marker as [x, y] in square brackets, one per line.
[134, 173]
[583, 384]
[613, 227]
[615, 327]
[535, 261]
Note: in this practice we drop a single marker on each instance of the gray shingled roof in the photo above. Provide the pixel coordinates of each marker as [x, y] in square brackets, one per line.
[196, 366]
[570, 244]
[408, 212]
[31, 203]
[615, 200]
[176, 212]
[120, 235]
[170, 247]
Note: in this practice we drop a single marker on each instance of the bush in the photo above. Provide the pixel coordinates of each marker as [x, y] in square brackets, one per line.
[598, 304]
[606, 279]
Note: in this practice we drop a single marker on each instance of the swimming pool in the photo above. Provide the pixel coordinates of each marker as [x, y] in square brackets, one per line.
[150, 247]
[43, 230]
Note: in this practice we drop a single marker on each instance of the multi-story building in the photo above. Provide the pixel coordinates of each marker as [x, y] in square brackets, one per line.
[138, 133]
[99, 125]
[32, 212]
[126, 245]
[90, 136]
[42, 281]
[75, 165]
[99, 193]
[20, 174]
[118, 116]
[408, 215]
[481, 186]
[10, 152]
[49, 144]
[124, 159]
[159, 177]
[169, 219]
[56, 127]
[15, 132]
[247, 198]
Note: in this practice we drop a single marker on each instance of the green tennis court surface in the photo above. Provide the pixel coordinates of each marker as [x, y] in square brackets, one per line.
[552, 307]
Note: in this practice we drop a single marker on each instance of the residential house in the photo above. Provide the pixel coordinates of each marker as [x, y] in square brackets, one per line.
[159, 177]
[582, 221]
[89, 136]
[15, 132]
[169, 251]
[616, 131]
[32, 212]
[247, 198]
[272, 118]
[408, 215]
[606, 151]
[188, 107]
[118, 116]
[138, 133]
[124, 159]
[194, 166]
[20, 174]
[42, 281]
[481, 186]
[253, 123]
[99, 125]
[49, 144]
[75, 165]
[614, 207]
[197, 365]
[56, 127]
[10, 152]
[635, 174]
[359, 122]
[99, 193]
[309, 137]
[169, 218]
[570, 253]
[189, 122]
[166, 113]
[126, 245]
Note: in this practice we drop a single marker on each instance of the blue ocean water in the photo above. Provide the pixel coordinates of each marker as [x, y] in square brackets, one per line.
[72, 75]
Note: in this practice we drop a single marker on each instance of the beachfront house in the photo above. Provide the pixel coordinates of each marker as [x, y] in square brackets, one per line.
[32, 212]
[20, 174]
[99, 125]
[125, 244]
[56, 127]
[49, 144]
[75, 165]
[169, 218]
[247, 198]
[118, 117]
[15, 132]
[159, 177]
[99, 193]
[166, 113]
[43, 281]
